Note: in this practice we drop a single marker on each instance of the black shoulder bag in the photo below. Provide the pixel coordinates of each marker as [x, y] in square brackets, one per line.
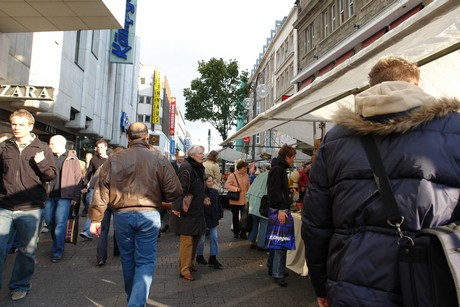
[234, 195]
[429, 262]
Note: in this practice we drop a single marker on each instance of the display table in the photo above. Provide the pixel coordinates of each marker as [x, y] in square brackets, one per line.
[295, 259]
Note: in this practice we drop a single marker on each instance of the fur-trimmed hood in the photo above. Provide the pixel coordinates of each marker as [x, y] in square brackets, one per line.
[401, 105]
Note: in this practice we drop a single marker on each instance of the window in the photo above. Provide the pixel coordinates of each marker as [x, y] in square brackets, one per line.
[142, 80]
[341, 11]
[333, 18]
[148, 100]
[309, 37]
[147, 119]
[80, 49]
[351, 8]
[95, 43]
[258, 138]
[140, 99]
[140, 118]
[325, 24]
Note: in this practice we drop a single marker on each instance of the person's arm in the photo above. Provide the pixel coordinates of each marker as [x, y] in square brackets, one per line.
[100, 199]
[317, 226]
[45, 163]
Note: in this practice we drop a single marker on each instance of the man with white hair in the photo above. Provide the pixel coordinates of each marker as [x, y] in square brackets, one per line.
[64, 191]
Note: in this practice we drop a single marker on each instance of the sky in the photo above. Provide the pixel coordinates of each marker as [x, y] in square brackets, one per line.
[176, 35]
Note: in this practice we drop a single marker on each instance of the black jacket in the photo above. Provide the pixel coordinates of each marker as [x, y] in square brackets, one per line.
[278, 186]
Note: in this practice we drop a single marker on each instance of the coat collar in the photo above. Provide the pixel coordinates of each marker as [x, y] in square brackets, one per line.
[393, 107]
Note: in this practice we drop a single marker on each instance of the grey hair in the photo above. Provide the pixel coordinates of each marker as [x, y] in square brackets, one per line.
[194, 149]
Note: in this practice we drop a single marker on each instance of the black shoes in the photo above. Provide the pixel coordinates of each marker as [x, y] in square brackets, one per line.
[200, 259]
[281, 282]
[252, 246]
[243, 236]
[56, 259]
[236, 236]
[164, 228]
[213, 262]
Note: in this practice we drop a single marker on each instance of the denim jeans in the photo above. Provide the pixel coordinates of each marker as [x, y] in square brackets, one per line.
[136, 233]
[104, 237]
[258, 231]
[27, 225]
[213, 245]
[277, 262]
[56, 214]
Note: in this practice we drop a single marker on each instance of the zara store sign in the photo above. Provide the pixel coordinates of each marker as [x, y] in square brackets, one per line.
[24, 92]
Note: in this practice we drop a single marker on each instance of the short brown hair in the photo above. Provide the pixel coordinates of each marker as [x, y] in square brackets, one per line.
[241, 164]
[394, 68]
[23, 113]
[287, 151]
[101, 141]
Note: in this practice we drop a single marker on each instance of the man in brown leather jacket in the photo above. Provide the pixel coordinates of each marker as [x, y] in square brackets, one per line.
[135, 182]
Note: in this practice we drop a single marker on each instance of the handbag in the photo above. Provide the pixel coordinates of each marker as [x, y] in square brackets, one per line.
[71, 233]
[234, 195]
[280, 236]
[245, 223]
[429, 262]
[264, 206]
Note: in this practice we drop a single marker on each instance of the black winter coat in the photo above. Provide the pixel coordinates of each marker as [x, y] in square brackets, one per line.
[351, 250]
[191, 176]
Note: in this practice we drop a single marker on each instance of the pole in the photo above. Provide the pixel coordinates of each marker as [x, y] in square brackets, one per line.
[209, 140]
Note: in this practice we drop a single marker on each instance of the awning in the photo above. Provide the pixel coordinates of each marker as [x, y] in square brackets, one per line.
[229, 154]
[430, 37]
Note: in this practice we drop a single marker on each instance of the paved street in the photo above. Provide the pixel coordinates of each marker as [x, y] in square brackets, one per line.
[78, 281]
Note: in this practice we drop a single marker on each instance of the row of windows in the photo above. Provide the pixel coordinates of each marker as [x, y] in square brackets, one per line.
[285, 50]
[144, 118]
[284, 79]
[144, 99]
[80, 46]
[332, 17]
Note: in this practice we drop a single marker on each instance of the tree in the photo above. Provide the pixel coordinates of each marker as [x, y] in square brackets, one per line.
[216, 97]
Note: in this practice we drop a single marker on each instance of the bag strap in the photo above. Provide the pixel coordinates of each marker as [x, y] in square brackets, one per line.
[236, 180]
[392, 212]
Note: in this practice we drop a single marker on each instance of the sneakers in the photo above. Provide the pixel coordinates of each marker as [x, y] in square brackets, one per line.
[17, 295]
[200, 259]
[100, 262]
[86, 235]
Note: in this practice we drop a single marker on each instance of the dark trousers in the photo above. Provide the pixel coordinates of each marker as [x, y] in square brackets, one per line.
[104, 238]
[236, 210]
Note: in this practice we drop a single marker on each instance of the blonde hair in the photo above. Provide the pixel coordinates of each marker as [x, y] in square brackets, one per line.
[394, 68]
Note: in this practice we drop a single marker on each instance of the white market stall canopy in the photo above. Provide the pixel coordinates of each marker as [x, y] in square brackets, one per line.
[430, 37]
[229, 154]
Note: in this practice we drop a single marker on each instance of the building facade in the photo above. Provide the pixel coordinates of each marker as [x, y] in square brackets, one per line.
[71, 81]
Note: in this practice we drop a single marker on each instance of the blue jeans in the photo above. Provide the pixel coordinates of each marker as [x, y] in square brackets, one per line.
[258, 231]
[277, 262]
[27, 225]
[56, 214]
[136, 233]
[213, 245]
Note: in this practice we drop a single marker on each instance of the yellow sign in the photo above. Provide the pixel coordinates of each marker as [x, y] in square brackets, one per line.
[156, 98]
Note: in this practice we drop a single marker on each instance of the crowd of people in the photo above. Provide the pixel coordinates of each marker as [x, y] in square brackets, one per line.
[343, 226]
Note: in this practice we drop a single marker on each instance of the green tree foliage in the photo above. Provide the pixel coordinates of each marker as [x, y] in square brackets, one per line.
[216, 96]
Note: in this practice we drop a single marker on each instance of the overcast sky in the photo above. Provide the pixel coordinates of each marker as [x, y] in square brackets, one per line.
[175, 35]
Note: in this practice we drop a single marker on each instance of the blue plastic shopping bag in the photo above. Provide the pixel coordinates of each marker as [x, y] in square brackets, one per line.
[279, 236]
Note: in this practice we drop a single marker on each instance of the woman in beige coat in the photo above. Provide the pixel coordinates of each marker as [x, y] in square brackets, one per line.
[238, 181]
[211, 167]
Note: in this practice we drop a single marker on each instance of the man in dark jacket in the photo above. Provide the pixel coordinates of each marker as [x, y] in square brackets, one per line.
[135, 182]
[351, 250]
[64, 191]
[26, 164]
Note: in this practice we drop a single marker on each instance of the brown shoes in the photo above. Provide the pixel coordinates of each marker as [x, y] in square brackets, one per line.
[193, 268]
[188, 277]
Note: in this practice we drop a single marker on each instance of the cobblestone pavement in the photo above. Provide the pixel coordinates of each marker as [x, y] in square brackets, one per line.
[77, 281]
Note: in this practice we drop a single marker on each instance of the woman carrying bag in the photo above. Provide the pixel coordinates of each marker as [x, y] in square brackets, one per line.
[238, 181]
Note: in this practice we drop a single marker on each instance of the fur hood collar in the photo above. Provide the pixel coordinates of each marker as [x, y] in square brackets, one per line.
[393, 107]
